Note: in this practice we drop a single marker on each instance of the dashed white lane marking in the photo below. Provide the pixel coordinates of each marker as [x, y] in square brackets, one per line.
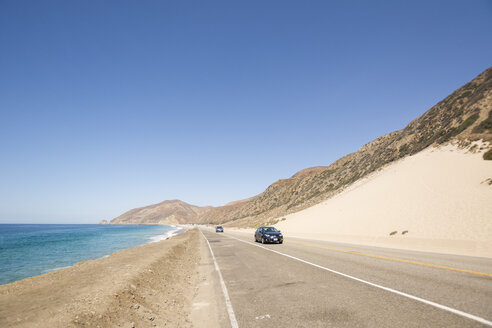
[437, 305]
[230, 310]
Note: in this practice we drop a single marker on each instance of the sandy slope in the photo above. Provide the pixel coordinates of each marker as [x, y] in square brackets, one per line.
[441, 196]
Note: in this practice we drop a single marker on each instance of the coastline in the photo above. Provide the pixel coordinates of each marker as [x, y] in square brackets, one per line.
[28, 250]
[176, 231]
[154, 239]
[147, 285]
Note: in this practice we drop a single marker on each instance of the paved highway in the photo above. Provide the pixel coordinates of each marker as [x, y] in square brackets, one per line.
[306, 283]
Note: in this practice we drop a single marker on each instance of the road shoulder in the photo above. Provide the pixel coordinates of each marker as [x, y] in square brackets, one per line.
[208, 309]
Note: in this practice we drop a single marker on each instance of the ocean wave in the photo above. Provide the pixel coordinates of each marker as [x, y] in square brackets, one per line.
[175, 231]
[55, 269]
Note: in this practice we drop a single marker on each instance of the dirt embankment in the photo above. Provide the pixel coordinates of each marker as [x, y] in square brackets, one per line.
[147, 286]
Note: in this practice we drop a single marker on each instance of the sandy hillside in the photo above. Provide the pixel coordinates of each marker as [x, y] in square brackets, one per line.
[441, 196]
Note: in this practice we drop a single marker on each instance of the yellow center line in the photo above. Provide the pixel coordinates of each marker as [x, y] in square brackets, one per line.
[395, 260]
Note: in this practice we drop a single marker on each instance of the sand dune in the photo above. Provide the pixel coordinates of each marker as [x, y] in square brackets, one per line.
[441, 196]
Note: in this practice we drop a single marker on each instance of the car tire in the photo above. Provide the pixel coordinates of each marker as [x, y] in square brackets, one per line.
[262, 240]
[280, 242]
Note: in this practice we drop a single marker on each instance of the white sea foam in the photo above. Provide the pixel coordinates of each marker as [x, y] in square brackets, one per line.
[55, 269]
[175, 231]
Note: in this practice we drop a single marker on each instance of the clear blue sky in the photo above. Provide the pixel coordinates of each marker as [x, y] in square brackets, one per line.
[110, 105]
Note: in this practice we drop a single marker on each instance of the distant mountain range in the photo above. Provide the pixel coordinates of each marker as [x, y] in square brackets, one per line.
[463, 116]
[166, 212]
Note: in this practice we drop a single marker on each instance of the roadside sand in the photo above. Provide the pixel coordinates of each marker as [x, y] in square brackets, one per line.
[147, 286]
[441, 196]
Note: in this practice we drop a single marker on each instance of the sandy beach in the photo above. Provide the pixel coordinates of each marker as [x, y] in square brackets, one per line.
[438, 200]
[147, 286]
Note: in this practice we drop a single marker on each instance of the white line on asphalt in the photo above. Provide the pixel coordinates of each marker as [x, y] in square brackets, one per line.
[437, 305]
[230, 310]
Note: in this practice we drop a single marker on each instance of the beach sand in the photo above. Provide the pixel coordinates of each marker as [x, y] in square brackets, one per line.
[441, 196]
[153, 285]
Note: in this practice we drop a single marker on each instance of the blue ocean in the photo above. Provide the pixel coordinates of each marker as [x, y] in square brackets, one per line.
[28, 250]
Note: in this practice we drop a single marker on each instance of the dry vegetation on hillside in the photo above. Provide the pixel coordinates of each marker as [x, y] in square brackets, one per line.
[464, 115]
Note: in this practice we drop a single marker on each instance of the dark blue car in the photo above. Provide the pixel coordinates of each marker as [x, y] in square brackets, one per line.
[268, 235]
[219, 229]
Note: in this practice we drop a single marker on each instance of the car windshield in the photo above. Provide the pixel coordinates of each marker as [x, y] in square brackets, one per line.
[270, 229]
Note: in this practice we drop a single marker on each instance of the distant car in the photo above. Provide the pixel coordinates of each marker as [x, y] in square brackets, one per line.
[219, 229]
[268, 235]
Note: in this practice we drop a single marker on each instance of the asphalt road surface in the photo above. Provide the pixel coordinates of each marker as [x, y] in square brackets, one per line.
[306, 283]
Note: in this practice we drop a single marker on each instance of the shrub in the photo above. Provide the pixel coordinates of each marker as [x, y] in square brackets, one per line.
[393, 233]
[403, 150]
[326, 173]
[484, 125]
[465, 94]
[460, 128]
[488, 155]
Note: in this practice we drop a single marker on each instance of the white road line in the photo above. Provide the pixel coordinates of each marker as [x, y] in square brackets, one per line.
[230, 310]
[437, 305]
